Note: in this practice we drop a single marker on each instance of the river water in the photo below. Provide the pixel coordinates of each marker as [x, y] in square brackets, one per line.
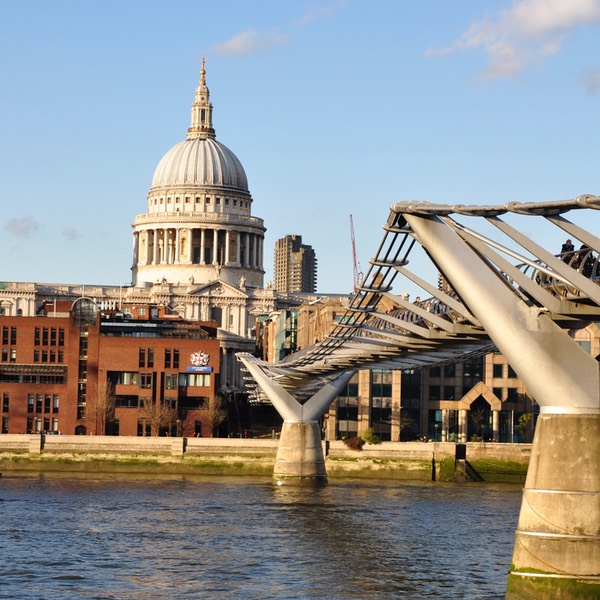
[154, 538]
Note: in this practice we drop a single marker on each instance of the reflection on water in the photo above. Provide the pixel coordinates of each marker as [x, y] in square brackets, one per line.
[189, 537]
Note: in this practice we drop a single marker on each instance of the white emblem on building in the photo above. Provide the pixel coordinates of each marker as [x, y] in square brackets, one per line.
[199, 359]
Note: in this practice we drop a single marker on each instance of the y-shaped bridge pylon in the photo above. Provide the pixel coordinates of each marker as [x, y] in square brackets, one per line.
[512, 294]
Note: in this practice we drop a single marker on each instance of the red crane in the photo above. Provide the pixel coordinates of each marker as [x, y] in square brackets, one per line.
[357, 272]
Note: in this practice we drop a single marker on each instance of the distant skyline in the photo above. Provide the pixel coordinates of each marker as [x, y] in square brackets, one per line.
[334, 108]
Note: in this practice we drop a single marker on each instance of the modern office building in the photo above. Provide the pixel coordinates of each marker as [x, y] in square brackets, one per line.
[77, 368]
[295, 266]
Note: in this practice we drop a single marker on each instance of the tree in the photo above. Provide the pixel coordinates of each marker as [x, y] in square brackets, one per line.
[216, 414]
[522, 425]
[405, 422]
[478, 414]
[157, 415]
[101, 409]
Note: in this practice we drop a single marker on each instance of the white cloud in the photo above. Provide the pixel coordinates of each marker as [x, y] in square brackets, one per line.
[524, 33]
[251, 42]
[22, 227]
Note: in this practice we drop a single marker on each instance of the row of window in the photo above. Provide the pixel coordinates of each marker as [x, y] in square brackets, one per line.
[49, 336]
[172, 381]
[146, 358]
[36, 403]
[43, 403]
[60, 378]
[9, 335]
[198, 200]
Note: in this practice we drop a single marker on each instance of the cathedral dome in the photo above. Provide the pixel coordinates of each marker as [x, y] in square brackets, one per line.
[200, 161]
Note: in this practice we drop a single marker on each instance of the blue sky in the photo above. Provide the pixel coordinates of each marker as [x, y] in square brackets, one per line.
[334, 107]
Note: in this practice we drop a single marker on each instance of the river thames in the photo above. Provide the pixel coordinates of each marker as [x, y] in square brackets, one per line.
[144, 537]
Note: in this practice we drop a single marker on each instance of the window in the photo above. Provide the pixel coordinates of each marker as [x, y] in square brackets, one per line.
[13, 356]
[498, 371]
[511, 373]
[53, 336]
[4, 424]
[167, 358]
[47, 400]
[194, 379]
[176, 359]
[5, 335]
[45, 336]
[449, 392]
[39, 399]
[5, 402]
[146, 357]
[4, 355]
[55, 403]
[434, 392]
[30, 405]
[171, 381]
[61, 336]
[449, 370]
[37, 336]
[146, 381]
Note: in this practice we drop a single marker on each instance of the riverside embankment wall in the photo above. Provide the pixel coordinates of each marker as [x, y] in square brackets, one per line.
[231, 456]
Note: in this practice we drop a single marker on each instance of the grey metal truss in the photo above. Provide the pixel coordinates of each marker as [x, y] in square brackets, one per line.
[384, 329]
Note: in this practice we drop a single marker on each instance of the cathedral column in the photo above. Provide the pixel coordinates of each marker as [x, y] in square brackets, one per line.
[227, 242]
[254, 251]
[177, 243]
[247, 251]
[165, 253]
[215, 246]
[202, 243]
[155, 246]
[136, 244]
[146, 242]
[238, 250]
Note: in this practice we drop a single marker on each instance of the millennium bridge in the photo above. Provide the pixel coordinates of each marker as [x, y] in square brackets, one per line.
[493, 290]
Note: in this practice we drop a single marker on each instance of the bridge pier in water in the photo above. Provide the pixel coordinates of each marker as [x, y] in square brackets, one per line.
[300, 459]
[556, 554]
[557, 543]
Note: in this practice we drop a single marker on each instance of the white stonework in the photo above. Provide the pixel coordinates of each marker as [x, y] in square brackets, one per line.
[198, 226]
[197, 251]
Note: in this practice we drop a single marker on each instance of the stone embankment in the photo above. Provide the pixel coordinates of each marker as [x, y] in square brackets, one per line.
[234, 456]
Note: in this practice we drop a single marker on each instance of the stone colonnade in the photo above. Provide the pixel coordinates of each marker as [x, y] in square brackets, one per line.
[182, 245]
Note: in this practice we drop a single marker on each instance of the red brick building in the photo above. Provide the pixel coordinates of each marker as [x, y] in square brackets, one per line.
[80, 368]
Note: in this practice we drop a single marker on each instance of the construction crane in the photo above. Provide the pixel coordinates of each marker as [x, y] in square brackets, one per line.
[357, 271]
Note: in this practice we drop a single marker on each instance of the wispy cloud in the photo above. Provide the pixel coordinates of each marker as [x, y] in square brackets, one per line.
[525, 33]
[251, 42]
[327, 10]
[590, 80]
[70, 234]
[22, 227]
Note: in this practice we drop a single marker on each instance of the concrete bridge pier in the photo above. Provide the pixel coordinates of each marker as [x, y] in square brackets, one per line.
[300, 459]
[556, 554]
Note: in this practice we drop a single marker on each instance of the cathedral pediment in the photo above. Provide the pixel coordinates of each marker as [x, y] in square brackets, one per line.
[218, 289]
